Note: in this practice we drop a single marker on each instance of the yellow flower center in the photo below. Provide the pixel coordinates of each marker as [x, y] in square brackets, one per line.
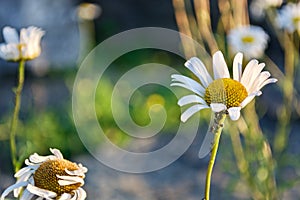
[296, 20]
[45, 176]
[248, 39]
[226, 91]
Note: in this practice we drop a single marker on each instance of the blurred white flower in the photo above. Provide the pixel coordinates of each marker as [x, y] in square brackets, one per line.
[258, 7]
[49, 177]
[250, 40]
[289, 17]
[222, 92]
[88, 11]
[27, 47]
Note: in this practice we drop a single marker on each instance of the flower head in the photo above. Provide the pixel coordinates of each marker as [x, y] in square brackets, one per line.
[251, 40]
[289, 17]
[258, 7]
[27, 47]
[49, 177]
[222, 92]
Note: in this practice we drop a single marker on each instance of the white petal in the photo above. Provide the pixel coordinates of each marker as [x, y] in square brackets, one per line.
[197, 67]
[237, 66]
[22, 171]
[219, 66]
[35, 158]
[65, 196]
[271, 80]
[24, 178]
[234, 113]
[262, 77]
[247, 73]
[57, 153]
[249, 98]
[41, 192]
[80, 194]
[69, 180]
[255, 72]
[9, 52]
[191, 99]
[218, 107]
[10, 35]
[190, 111]
[79, 172]
[26, 195]
[11, 188]
[188, 83]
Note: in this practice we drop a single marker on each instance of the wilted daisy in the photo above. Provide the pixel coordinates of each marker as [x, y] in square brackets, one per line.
[222, 92]
[250, 40]
[289, 17]
[27, 47]
[49, 177]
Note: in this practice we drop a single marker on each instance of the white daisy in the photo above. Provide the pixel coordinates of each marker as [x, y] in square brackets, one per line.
[289, 17]
[258, 7]
[222, 92]
[27, 47]
[49, 177]
[250, 40]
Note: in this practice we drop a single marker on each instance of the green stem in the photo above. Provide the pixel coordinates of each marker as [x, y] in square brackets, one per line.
[216, 127]
[14, 122]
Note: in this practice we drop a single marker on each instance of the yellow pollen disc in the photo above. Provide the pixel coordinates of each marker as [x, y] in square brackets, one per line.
[248, 39]
[296, 20]
[226, 91]
[45, 176]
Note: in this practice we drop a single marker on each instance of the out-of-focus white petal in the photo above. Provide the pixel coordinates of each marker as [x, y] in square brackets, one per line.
[10, 35]
[219, 66]
[217, 107]
[198, 68]
[234, 113]
[237, 66]
[9, 52]
[191, 111]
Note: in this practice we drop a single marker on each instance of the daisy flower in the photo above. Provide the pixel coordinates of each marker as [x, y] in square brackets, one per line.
[258, 7]
[251, 40]
[27, 47]
[221, 93]
[49, 177]
[289, 17]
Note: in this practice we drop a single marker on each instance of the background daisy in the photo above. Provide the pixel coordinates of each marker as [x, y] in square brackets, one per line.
[250, 40]
[289, 17]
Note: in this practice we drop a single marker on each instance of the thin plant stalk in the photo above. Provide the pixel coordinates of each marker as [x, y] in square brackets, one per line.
[216, 127]
[14, 122]
[284, 116]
